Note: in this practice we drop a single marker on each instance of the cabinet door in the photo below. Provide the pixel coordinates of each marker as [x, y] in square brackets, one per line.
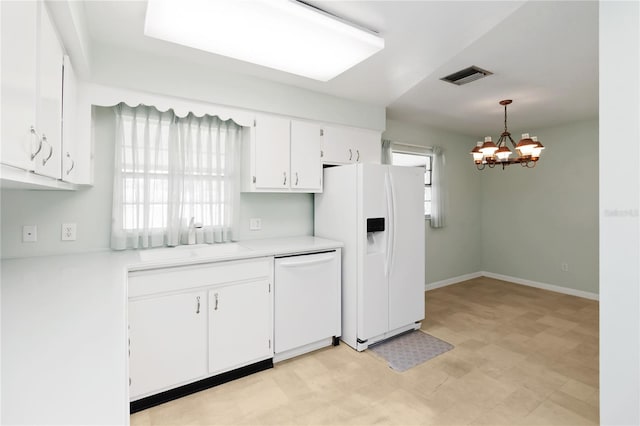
[69, 127]
[18, 47]
[49, 102]
[347, 145]
[306, 164]
[337, 147]
[240, 325]
[368, 146]
[272, 136]
[168, 341]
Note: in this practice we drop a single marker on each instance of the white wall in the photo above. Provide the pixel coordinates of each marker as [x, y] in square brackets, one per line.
[619, 207]
[454, 250]
[533, 220]
[281, 214]
[140, 71]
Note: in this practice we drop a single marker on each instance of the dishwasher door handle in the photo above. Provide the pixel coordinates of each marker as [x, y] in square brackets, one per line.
[317, 260]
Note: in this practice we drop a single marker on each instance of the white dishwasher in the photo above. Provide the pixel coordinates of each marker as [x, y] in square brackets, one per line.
[307, 303]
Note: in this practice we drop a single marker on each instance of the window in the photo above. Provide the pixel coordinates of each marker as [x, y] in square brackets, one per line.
[412, 159]
[171, 173]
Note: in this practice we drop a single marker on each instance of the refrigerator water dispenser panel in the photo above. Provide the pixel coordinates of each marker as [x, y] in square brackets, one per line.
[375, 224]
[376, 237]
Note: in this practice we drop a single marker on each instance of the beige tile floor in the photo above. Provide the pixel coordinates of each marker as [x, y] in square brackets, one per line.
[522, 356]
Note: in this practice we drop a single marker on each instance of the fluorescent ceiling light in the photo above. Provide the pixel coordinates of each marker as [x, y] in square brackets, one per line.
[282, 34]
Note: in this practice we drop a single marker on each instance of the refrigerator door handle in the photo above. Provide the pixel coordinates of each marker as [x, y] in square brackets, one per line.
[389, 226]
[392, 222]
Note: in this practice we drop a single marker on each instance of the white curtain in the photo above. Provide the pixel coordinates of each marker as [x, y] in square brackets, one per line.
[172, 174]
[438, 189]
[387, 153]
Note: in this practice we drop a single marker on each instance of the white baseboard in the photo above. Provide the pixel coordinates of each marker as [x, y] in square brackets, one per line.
[544, 286]
[449, 281]
[515, 280]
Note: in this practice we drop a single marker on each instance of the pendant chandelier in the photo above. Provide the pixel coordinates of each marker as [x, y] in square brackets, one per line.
[488, 153]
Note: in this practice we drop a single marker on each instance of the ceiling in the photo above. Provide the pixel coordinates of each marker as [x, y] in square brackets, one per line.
[544, 56]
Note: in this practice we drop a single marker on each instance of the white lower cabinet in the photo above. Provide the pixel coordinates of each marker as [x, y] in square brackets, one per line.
[189, 323]
[167, 341]
[239, 325]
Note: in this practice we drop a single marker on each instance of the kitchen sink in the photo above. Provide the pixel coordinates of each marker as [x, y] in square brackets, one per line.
[192, 251]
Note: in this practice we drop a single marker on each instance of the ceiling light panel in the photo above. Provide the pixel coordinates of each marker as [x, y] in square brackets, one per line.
[282, 34]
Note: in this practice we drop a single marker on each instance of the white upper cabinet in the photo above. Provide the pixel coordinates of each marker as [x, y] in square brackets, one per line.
[306, 165]
[70, 134]
[76, 130]
[49, 100]
[348, 145]
[39, 133]
[19, 34]
[271, 143]
[283, 155]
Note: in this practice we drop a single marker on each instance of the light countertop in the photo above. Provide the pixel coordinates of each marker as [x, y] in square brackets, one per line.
[64, 330]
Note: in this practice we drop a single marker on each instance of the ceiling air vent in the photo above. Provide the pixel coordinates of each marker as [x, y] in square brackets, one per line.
[466, 75]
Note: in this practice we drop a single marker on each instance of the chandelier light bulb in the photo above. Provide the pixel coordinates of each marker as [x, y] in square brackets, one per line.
[526, 144]
[503, 153]
[537, 148]
[477, 154]
[488, 147]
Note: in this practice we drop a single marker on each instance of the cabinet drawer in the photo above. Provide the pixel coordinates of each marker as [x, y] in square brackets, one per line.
[142, 283]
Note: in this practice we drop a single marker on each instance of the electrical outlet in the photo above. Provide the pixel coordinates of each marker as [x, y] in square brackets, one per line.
[255, 224]
[68, 232]
[564, 267]
[29, 233]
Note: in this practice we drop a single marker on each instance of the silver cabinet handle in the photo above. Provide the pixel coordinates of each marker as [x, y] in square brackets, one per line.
[44, 160]
[285, 178]
[33, 132]
[215, 308]
[296, 178]
[357, 155]
[73, 163]
[198, 307]
[350, 154]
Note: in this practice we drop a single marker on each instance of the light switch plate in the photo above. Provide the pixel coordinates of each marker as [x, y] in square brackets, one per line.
[255, 224]
[68, 232]
[29, 233]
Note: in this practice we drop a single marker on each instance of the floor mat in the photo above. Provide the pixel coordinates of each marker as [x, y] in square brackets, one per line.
[410, 349]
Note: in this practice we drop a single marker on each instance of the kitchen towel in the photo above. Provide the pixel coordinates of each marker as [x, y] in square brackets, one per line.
[410, 349]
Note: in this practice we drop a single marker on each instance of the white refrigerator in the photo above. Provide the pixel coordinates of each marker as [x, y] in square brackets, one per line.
[377, 211]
